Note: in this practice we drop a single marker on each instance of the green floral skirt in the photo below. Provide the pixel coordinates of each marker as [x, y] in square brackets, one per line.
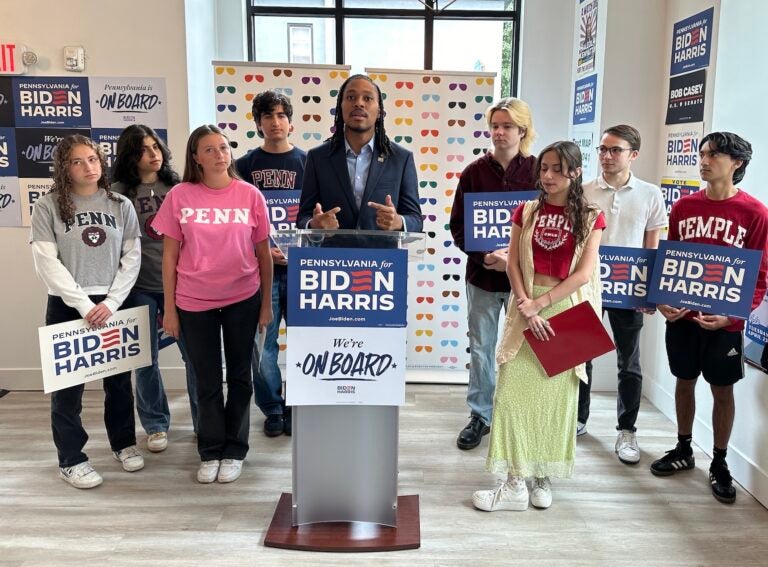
[533, 430]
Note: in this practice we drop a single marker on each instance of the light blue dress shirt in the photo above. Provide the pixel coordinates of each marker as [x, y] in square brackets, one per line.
[358, 166]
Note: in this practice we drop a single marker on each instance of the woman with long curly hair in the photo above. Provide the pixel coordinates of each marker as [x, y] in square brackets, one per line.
[86, 248]
[552, 265]
[142, 172]
[216, 259]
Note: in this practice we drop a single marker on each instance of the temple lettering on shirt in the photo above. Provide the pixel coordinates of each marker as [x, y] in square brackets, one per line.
[716, 228]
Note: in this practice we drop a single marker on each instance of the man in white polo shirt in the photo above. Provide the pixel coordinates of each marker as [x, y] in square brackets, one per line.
[635, 213]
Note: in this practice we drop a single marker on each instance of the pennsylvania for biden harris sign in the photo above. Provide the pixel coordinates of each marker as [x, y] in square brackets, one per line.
[346, 326]
[717, 280]
[74, 353]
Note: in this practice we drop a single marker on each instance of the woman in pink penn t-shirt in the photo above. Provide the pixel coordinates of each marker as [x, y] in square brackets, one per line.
[216, 258]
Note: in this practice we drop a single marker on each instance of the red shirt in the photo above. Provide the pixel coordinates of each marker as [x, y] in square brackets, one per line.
[740, 221]
[553, 242]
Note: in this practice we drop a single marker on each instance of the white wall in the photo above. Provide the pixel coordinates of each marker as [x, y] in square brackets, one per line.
[545, 70]
[144, 38]
[735, 103]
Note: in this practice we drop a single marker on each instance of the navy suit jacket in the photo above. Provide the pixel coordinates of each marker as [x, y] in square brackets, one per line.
[326, 181]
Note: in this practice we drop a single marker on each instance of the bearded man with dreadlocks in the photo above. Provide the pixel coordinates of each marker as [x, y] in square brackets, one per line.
[358, 179]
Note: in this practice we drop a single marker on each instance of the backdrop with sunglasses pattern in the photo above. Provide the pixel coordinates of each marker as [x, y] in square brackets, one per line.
[312, 90]
[37, 112]
[440, 117]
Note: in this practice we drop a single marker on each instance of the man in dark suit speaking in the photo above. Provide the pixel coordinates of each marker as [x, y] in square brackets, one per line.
[358, 179]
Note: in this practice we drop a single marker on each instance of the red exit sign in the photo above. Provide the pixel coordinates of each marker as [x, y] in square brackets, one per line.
[10, 58]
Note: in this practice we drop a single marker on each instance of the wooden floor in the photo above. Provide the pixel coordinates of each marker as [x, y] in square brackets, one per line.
[607, 514]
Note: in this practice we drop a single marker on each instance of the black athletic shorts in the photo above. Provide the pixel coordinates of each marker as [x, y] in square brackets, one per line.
[717, 355]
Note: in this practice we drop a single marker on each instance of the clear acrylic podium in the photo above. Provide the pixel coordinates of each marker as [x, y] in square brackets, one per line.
[345, 456]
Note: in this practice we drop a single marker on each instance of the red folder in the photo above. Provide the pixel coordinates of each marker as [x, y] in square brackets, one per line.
[579, 336]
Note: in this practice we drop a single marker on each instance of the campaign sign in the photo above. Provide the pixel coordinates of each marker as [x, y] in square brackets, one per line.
[488, 218]
[333, 366]
[584, 100]
[120, 102]
[10, 202]
[342, 287]
[691, 42]
[624, 275]
[8, 158]
[283, 206]
[685, 102]
[6, 102]
[74, 353]
[45, 102]
[107, 140]
[675, 189]
[756, 336]
[30, 191]
[717, 280]
[681, 152]
[587, 36]
[584, 137]
[35, 148]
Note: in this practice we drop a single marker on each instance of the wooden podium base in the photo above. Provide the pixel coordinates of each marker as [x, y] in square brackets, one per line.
[346, 536]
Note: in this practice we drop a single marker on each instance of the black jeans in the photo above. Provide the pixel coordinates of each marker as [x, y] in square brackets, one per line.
[626, 325]
[222, 427]
[69, 436]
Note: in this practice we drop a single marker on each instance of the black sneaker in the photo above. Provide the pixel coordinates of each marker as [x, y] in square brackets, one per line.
[673, 461]
[722, 483]
[273, 425]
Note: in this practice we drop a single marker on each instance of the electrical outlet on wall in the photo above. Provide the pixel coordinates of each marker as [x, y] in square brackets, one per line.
[74, 58]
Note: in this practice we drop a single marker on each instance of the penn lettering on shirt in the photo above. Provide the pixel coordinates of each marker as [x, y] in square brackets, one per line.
[149, 204]
[213, 216]
[87, 218]
[274, 178]
[716, 228]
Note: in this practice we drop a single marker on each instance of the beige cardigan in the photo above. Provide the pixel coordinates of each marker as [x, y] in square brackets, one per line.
[515, 324]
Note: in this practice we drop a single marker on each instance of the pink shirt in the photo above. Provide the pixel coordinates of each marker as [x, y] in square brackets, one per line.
[218, 229]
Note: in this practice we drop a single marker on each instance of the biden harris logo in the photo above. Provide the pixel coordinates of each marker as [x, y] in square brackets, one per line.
[624, 275]
[713, 279]
[347, 287]
[46, 101]
[283, 207]
[86, 348]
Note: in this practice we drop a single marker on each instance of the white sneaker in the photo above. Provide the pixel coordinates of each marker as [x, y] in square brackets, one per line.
[581, 429]
[207, 472]
[130, 458]
[626, 447]
[81, 475]
[157, 442]
[541, 492]
[509, 495]
[230, 470]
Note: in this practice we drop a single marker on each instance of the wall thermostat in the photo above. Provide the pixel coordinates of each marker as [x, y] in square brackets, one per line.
[74, 58]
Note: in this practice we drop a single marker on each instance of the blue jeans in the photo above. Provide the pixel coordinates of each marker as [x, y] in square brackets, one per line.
[267, 380]
[151, 400]
[484, 308]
